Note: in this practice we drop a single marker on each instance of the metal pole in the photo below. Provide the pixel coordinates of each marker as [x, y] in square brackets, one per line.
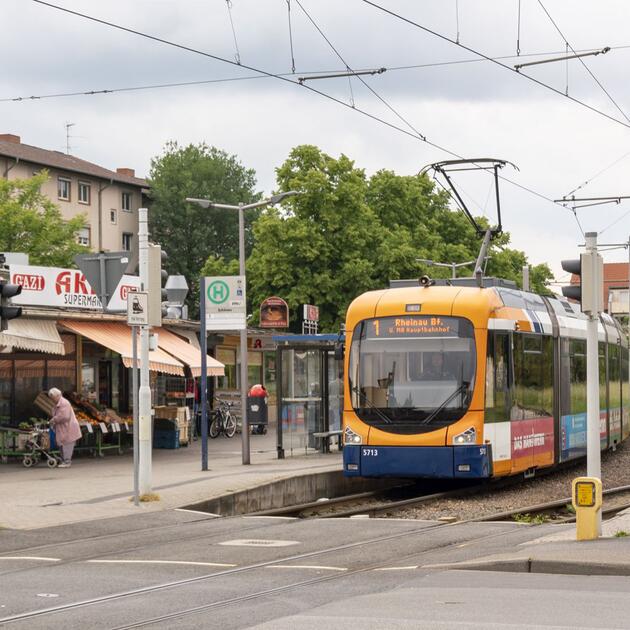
[453, 270]
[525, 277]
[593, 452]
[134, 387]
[628, 320]
[241, 259]
[144, 403]
[204, 376]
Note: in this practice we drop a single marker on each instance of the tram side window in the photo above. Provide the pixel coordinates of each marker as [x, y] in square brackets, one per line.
[577, 375]
[601, 346]
[497, 377]
[614, 371]
[533, 389]
[625, 386]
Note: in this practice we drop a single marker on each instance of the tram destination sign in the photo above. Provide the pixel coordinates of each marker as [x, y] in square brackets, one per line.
[408, 326]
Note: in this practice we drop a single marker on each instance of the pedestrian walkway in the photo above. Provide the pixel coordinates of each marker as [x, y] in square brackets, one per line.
[560, 552]
[95, 488]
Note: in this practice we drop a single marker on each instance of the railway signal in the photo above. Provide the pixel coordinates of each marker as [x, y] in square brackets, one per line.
[589, 268]
[7, 310]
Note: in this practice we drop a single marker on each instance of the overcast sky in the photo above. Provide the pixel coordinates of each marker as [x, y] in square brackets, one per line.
[475, 109]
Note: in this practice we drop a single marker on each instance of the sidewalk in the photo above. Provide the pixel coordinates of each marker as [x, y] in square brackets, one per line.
[96, 488]
[560, 552]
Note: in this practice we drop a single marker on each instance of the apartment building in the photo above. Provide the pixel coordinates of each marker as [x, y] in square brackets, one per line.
[109, 199]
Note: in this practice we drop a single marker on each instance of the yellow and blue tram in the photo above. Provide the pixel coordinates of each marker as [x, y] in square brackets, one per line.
[466, 382]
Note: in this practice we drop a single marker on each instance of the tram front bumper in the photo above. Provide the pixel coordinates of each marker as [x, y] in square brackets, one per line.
[470, 461]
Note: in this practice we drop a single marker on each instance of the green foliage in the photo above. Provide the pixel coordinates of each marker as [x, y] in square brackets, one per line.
[188, 233]
[347, 234]
[621, 534]
[531, 519]
[33, 224]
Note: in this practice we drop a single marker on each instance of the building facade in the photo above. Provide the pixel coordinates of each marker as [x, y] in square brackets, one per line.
[616, 297]
[109, 199]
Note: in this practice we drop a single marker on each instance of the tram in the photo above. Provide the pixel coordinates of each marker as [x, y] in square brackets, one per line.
[455, 381]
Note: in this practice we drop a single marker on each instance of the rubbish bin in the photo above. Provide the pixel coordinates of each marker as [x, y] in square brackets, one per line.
[257, 409]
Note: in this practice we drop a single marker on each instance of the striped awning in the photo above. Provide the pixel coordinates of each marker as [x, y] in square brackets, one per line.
[117, 337]
[37, 335]
[187, 353]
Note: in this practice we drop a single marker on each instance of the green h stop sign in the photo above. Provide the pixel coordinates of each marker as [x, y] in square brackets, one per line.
[218, 292]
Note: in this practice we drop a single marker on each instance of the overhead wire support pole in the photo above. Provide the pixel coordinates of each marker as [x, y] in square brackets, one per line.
[603, 51]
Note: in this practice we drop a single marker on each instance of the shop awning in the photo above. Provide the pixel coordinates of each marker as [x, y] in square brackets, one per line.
[117, 337]
[37, 335]
[187, 353]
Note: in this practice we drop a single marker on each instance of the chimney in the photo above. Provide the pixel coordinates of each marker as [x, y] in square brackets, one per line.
[129, 172]
[9, 137]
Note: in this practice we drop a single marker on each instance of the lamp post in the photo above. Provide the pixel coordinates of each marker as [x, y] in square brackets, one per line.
[241, 207]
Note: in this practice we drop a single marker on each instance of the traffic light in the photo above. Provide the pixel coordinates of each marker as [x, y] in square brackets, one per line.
[589, 292]
[7, 311]
[157, 276]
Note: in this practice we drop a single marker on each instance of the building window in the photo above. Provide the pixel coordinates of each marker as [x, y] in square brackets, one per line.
[127, 239]
[113, 216]
[126, 201]
[84, 193]
[227, 356]
[63, 189]
[83, 238]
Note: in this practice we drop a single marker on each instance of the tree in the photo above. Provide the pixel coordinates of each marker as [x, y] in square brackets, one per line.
[188, 233]
[33, 224]
[346, 234]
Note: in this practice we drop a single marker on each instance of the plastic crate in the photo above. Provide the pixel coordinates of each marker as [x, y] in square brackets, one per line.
[165, 439]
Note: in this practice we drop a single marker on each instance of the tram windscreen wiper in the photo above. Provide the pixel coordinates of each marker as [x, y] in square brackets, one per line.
[450, 397]
[379, 413]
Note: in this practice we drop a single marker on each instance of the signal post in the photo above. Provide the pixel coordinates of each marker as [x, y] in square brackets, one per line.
[590, 268]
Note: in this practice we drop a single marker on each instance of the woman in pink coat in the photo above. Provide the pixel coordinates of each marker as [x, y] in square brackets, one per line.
[65, 425]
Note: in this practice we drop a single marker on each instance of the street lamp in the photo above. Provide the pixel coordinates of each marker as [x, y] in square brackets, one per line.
[241, 207]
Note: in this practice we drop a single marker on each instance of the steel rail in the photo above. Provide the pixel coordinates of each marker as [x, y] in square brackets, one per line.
[236, 570]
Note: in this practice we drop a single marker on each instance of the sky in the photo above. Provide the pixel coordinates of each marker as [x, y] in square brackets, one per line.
[473, 109]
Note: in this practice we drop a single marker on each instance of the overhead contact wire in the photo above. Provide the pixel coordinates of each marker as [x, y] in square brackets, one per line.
[287, 80]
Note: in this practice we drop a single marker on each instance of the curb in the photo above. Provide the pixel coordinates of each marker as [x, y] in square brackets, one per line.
[537, 565]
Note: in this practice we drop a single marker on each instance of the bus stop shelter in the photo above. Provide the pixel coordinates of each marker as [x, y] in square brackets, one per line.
[310, 392]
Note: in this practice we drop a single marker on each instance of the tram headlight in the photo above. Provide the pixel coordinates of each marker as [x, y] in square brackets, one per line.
[350, 437]
[469, 436]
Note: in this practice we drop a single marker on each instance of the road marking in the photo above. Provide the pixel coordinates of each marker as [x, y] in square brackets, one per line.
[184, 562]
[306, 566]
[197, 512]
[47, 594]
[285, 518]
[409, 568]
[30, 558]
[245, 542]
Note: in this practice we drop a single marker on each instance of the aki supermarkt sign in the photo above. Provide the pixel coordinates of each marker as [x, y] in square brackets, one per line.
[226, 307]
[65, 288]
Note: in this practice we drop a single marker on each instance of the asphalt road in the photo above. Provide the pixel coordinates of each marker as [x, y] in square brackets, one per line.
[185, 570]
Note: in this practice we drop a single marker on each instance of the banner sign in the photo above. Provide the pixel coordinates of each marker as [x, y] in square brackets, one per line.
[311, 313]
[226, 307]
[65, 288]
[274, 313]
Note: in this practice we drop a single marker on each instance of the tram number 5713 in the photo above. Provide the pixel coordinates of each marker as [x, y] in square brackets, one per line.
[370, 452]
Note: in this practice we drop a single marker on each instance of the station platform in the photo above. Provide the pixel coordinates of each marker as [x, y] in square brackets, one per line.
[97, 488]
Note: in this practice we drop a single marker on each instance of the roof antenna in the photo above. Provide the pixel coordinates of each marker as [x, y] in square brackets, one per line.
[68, 136]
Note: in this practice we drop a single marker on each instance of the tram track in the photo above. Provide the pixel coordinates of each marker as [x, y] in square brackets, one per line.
[147, 590]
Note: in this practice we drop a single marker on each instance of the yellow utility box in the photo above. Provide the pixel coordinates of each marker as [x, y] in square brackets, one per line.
[587, 501]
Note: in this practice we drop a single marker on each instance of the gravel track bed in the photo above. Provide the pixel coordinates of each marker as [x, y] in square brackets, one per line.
[553, 486]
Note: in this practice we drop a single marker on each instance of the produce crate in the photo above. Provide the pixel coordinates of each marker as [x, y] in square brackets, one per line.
[165, 439]
[179, 414]
[44, 403]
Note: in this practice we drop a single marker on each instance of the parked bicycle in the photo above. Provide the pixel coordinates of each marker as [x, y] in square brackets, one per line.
[222, 420]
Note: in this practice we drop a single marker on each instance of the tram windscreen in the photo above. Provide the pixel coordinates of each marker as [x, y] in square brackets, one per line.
[412, 374]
